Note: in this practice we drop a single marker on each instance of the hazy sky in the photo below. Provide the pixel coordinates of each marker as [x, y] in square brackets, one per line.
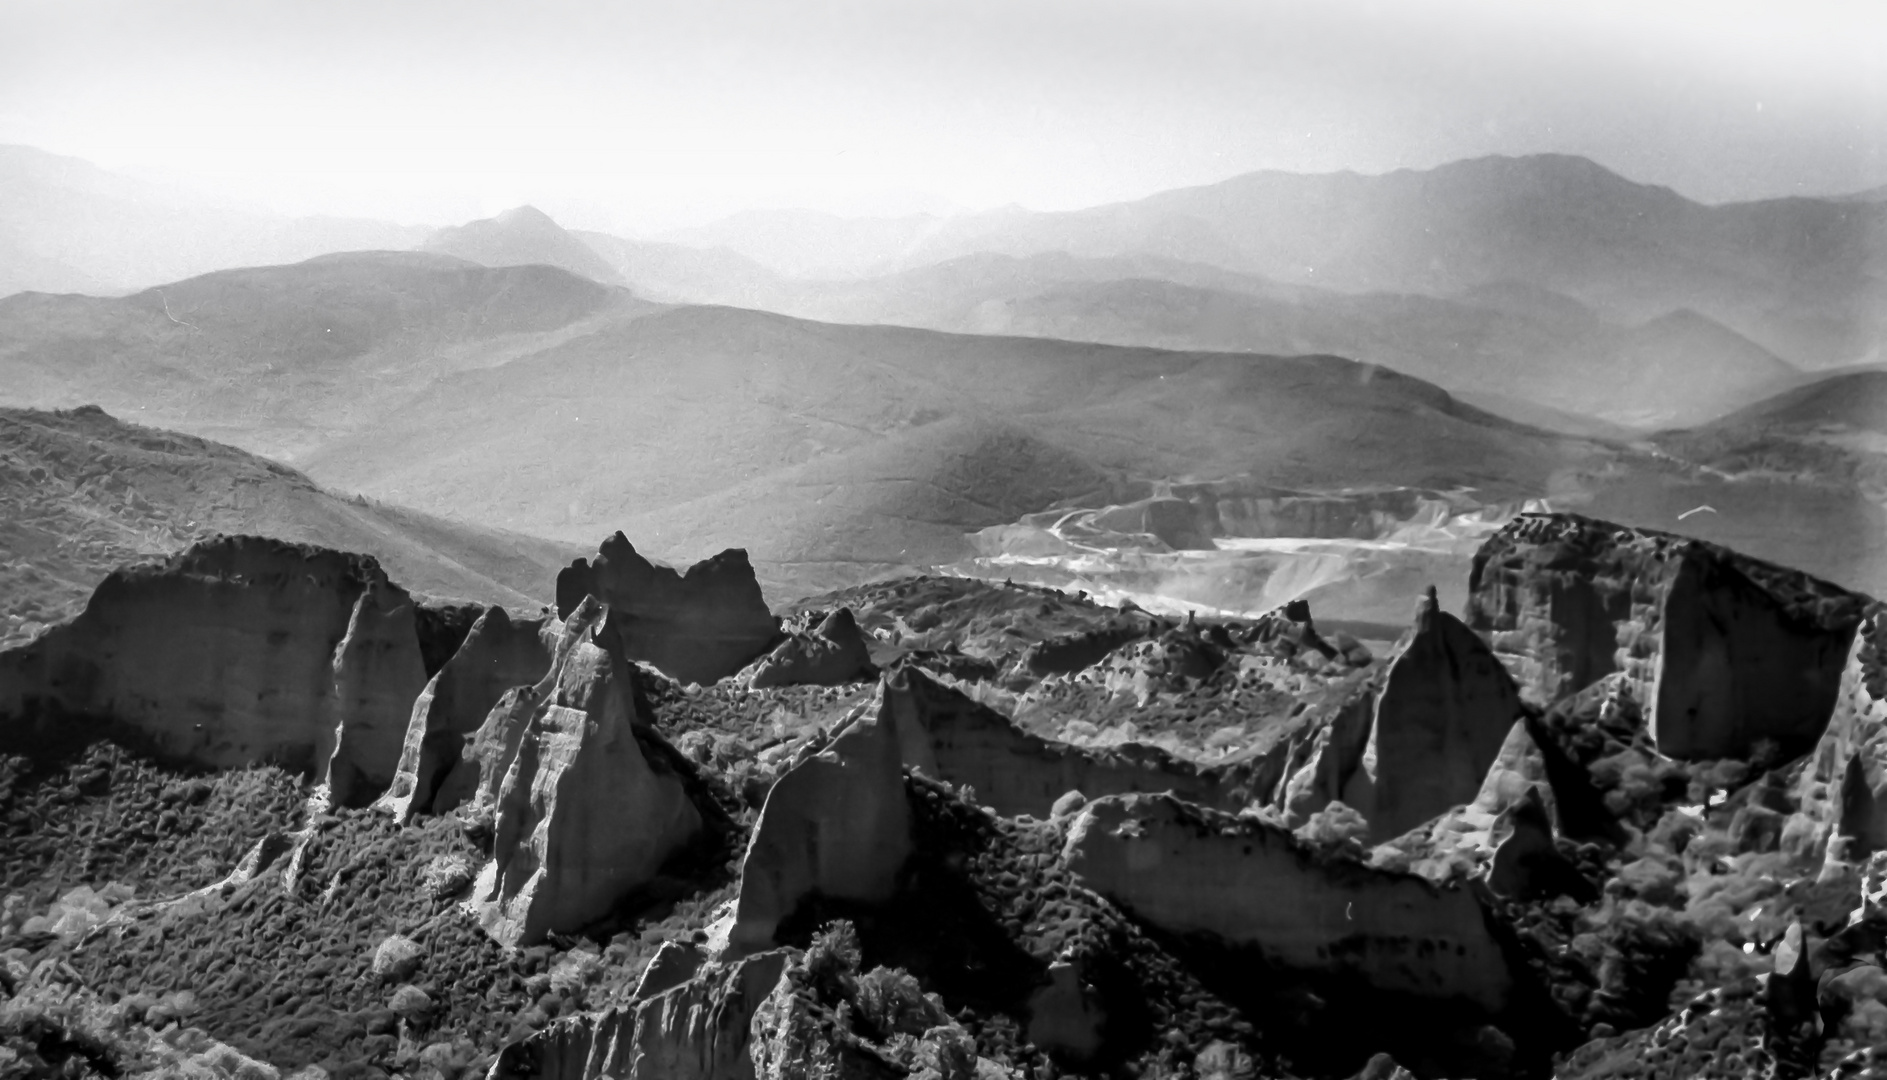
[640, 115]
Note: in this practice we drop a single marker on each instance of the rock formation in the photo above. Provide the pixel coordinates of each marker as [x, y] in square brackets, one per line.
[697, 1030]
[836, 825]
[950, 737]
[582, 818]
[1191, 871]
[1727, 650]
[238, 650]
[477, 769]
[1842, 792]
[496, 655]
[1441, 718]
[831, 654]
[697, 627]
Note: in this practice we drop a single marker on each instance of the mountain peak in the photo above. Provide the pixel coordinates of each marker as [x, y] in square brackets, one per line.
[522, 236]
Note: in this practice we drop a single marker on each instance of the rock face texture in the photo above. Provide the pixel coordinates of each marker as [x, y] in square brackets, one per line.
[238, 650]
[1842, 792]
[1444, 712]
[697, 627]
[831, 654]
[582, 817]
[949, 737]
[1727, 650]
[698, 1030]
[1191, 871]
[476, 771]
[497, 654]
[836, 824]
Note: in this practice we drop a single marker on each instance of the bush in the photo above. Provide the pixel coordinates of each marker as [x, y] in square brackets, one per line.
[832, 961]
[891, 1002]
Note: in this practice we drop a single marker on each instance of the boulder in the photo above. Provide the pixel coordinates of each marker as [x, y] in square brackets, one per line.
[238, 650]
[1191, 871]
[1444, 711]
[698, 627]
[1726, 649]
[496, 654]
[833, 654]
[582, 819]
[836, 824]
[700, 1029]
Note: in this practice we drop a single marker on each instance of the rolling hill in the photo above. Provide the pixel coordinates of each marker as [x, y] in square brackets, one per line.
[82, 492]
[522, 236]
[1538, 348]
[280, 359]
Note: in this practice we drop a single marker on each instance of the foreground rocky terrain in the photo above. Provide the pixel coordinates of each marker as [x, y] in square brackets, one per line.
[266, 812]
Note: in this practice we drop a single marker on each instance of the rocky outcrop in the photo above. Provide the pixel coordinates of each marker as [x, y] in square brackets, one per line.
[698, 1030]
[950, 737]
[836, 824]
[582, 817]
[1842, 791]
[831, 654]
[497, 654]
[1527, 865]
[477, 770]
[1444, 711]
[1728, 650]
[238, 650]
[696, 627]
[1191, 871]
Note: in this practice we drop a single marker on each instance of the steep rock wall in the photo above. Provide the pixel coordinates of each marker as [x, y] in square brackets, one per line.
[237, 650]
[496, 654]
[1190, 871]
[952, 738]
[699, 1030]
[836, 824]
[582, 818]
[478, 769]
[1445, 709]
[1729, 650]
[697, 627]
[1842, 792]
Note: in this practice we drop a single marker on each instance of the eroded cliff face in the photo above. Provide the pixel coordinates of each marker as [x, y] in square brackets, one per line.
[1842, 791]
[697, 627]
[949, 737]
[836, 824]
[831, 654]
[498, 654]
[1728, 650]
[582, 817]
[1191, 871]
[236, 651]
[1445, 709]
[700, 1029]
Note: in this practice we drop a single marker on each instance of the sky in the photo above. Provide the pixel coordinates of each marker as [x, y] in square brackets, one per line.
[638, 117]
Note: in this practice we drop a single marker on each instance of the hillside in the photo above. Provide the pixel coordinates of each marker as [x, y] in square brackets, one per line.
[695, 422]
[1533, 346]
[67, 225]
[1802, 278]
[522, 236]
[82, 492]
[279, 359]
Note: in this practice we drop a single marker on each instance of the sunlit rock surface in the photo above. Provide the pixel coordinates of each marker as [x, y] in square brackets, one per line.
[1726, 650]
[498, 654]
[697, 1030]
[582, 818]
[1188, 870]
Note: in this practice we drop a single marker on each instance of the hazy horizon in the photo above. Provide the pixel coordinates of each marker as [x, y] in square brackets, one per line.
[644, 118]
